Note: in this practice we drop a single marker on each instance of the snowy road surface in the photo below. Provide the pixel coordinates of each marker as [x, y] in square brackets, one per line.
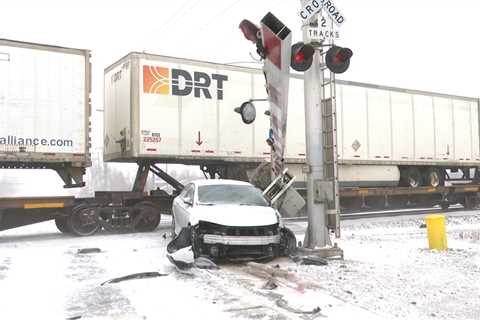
[387, 273]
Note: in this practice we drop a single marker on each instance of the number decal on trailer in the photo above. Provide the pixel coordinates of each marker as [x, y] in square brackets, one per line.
[152, 139]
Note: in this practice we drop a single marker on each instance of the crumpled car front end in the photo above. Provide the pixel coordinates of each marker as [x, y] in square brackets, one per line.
[227, 243]
[236, 243]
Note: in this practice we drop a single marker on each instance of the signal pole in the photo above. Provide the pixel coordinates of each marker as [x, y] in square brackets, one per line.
[317, 233]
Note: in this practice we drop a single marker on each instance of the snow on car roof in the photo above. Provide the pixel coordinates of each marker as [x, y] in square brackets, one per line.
[209, 182]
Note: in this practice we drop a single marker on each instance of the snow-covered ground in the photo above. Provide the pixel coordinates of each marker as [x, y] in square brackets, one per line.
[387, 273]
[388, 268]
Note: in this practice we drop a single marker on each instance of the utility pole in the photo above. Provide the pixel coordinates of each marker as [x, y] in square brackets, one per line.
[317, 232]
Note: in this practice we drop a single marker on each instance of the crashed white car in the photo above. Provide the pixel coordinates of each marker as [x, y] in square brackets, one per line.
[228, 219]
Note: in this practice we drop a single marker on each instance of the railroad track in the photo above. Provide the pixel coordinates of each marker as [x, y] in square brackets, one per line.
[388, 213]
[397, 213]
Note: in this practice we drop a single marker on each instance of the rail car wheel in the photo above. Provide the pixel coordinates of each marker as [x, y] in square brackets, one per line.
[435, 177]
[146, 217]
[411, 177]
[444, 205]
[62, 224]
[470, 202]
[83, 221]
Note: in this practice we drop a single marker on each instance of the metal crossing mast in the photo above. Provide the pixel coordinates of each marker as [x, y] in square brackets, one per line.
[321, 148]
[330, 152]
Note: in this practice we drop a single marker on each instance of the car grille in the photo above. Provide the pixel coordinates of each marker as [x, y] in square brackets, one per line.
[241, 240]
[217, 229]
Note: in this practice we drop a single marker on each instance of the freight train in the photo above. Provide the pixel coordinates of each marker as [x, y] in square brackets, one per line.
[396, 147]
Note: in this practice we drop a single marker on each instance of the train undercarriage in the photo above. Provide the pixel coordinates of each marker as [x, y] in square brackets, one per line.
[136, 211]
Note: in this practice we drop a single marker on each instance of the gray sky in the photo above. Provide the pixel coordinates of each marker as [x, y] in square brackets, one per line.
[427, 45]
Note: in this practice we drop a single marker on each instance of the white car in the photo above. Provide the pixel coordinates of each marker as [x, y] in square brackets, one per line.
[228, 219]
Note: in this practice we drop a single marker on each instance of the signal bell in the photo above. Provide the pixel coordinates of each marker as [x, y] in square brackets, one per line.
[302, 56]
[338, 59]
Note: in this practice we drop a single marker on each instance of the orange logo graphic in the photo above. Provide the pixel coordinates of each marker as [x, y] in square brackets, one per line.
[156, 80]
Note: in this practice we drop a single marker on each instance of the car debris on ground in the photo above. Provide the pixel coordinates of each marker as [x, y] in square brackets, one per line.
[282, 303]
[88, 250]
[310, 260]
[279, 275]
[141, 275]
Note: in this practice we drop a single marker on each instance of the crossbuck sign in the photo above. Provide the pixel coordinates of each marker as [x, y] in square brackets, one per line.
[312, 7]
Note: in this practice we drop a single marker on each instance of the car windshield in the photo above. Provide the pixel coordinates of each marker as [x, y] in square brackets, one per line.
[231, 194]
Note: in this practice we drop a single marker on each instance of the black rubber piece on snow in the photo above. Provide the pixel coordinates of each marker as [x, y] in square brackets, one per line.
[284, 304]
[141, 275]
[270, 285]
[89, 250]
[312, 260]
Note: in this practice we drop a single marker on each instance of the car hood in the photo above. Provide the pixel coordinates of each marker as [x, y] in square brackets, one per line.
[234, 215]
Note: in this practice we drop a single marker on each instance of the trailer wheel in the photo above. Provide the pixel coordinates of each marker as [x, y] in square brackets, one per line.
[435, 177]
[147, 217]
[83, 221]
[62, 224]
[411, 177]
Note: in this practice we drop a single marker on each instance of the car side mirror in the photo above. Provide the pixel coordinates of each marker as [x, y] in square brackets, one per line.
[188, 201]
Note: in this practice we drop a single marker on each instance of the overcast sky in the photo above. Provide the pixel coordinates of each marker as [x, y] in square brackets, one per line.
[426, 45]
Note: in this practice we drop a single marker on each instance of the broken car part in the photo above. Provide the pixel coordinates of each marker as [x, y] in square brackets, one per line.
[141, 275]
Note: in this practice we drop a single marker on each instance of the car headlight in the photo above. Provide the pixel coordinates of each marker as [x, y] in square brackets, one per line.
[279, 217]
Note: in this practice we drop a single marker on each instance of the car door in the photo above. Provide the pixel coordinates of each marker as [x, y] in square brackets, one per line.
[182, 207]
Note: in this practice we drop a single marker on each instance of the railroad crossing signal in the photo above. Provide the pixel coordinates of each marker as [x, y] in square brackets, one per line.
[302, 56]
[252, 33]
[273, 42]
[337, 59]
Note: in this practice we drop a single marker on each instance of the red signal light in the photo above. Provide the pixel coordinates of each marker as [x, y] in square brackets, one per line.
[338, 59]
[299, 57]
[302, 56]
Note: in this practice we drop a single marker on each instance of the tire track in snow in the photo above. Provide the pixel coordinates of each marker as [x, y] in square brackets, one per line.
[89, 299]
[242, 295]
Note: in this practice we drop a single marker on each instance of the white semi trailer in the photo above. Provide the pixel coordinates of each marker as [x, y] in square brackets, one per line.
[45, 124]
[45, 109]
[168, 109]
